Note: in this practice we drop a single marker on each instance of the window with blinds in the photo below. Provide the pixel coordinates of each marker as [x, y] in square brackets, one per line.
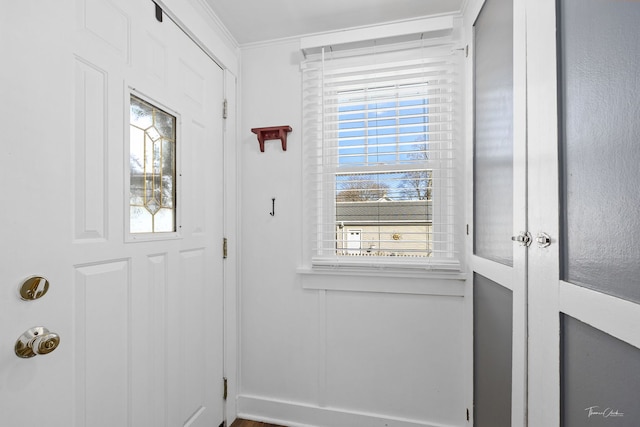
[380, 157]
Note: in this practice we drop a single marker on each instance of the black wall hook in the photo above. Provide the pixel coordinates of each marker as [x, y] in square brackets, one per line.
[273, 207]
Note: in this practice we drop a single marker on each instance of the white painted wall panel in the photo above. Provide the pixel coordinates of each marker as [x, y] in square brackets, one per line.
[279, 324]
[396, 355]
[279, 341]
[314, 356]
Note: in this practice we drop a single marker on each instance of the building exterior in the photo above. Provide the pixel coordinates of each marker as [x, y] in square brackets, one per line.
[372, 228]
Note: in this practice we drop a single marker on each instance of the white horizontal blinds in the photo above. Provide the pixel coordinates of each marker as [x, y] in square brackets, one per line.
[380, 156]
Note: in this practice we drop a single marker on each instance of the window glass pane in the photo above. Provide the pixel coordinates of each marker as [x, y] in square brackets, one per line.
[385, 213]
[141, 113]
[493, 142]
[163, 220]
[141, 220]
[600, 59]
[385, 229]
[152, 161]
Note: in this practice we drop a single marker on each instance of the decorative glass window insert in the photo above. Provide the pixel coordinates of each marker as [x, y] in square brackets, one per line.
[152, 166]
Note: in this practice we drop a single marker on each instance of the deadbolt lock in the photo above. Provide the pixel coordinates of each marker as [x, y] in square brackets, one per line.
[36, 341]
[33, 287]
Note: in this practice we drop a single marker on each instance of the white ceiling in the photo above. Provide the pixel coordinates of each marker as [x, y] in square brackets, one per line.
[251, 21]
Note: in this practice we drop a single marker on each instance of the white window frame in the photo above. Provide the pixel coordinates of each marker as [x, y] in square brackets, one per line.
[315, 257]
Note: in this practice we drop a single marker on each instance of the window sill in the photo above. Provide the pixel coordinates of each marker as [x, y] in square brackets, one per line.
[384, 280]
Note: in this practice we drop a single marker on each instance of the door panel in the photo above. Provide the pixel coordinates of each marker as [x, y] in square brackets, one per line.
[492, 349]
[600, 379]
[90, 90]
[499, 200]
[101, 291]
[140, 319]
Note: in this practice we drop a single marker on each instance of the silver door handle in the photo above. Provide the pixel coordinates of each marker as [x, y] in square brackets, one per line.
[524, 238]
[543, 239]
[36, 341]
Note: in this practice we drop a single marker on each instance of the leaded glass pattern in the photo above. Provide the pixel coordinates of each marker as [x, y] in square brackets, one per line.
[152, 166]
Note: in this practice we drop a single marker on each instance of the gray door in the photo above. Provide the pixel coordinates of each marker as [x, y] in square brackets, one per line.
[499, 195]
[584, 175]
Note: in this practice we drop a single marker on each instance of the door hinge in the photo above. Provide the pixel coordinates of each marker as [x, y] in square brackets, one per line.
[467, 414]
[225, 388]
[225, 109]
[224, 248]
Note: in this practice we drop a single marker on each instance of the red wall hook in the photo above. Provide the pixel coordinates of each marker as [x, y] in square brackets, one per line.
[274, 132]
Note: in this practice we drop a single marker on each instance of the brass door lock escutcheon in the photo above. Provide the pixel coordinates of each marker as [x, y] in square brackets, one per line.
[33, 287]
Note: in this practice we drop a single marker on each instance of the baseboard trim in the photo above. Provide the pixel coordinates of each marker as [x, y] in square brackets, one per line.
[294, 414]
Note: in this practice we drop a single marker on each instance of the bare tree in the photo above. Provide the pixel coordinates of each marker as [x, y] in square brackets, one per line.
[417, 184]
[360, 188]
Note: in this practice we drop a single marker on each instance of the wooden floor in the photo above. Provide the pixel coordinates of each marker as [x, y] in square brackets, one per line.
[246, 423]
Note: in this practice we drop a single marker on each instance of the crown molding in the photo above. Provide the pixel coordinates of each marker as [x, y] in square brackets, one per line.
[216, 24]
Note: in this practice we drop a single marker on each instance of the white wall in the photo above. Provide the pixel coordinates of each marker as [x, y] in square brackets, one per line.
[320, 357]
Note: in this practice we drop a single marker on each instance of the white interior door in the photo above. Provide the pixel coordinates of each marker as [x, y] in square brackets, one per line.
[139, 316]
[583, 57]
[499, 212]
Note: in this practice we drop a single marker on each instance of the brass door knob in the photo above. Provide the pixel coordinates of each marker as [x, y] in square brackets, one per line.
[36, 341]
